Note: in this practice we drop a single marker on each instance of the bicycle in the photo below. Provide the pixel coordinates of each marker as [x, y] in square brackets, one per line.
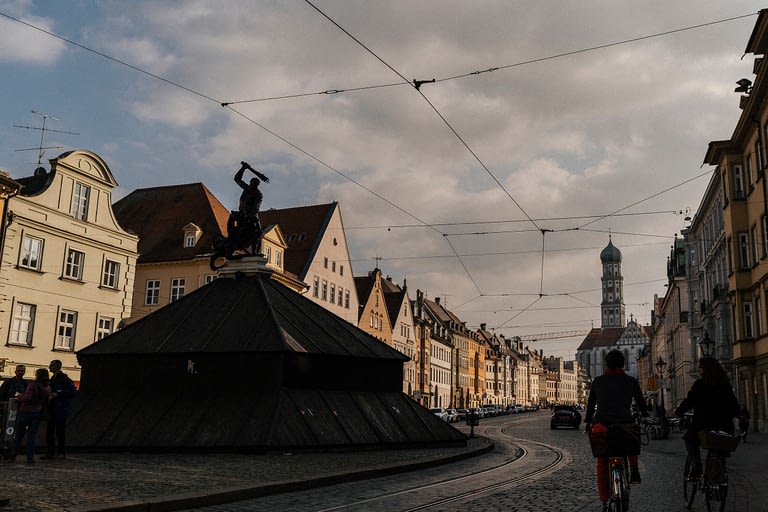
[713, 481]
[616, 442]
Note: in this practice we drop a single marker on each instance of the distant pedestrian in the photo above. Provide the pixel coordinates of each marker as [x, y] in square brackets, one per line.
[743, 417]
[30, 411]
[60, 407]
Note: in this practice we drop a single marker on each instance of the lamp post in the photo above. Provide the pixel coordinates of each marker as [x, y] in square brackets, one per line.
[707, 345]
[660, 364]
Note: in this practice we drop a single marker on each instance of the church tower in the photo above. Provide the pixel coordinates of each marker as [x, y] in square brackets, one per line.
[612, 306]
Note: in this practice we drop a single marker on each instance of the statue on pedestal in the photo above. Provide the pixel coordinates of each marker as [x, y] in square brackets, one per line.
[243, 226]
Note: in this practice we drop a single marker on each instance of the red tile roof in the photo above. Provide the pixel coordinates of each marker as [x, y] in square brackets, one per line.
[158, 215]
[308, 224]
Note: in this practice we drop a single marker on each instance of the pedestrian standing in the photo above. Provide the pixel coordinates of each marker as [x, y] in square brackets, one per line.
[59, 408]
[743, 422]
[15, 387]
[30, 412]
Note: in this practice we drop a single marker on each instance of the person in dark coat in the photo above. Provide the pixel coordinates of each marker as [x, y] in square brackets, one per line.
[11, 388]
[714, 406]
[609, 403]
[60, 406]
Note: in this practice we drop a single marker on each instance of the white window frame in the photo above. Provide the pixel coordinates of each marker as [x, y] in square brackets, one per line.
[66, 330]
[81, 194]
[315, 286]
[279, 258]
[74, 264]
[105, 327]
[209, 278]
[23, 324]
[324, 290]
[758, 318]
[743, 238]
[738, 181]
[31, 250]
[268, 254]
[178, 284]
[190, 240]
[748, 320]
[152, 292]
[110, 278]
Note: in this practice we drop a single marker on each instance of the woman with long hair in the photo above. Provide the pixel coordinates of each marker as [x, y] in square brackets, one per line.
[714, 406]
[31, 406]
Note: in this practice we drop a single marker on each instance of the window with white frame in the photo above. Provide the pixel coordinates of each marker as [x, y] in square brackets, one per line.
[209, 278]
[346, 299]
[177, 288]
[105, 327]
[278, 258]
[324, 290]
[268, 254]
[80, 196]
[22, 324]
[111, 272]
[748, 326]
[758, 318]
[152, 292]
[341, 270]
[764, 221]
[744, 250]
[190, 240]
[754, 241]
[750, 174]
[315, 286]
[31, 253]
[341, 299]
[333, 294]
[758, 157]
[65, 335]
[73, 267]
[738, 181]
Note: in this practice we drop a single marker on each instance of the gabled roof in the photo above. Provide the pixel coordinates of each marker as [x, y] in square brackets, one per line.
[245, 315]
[158, 215]
[601, 337]
[393, 297]
[309, 224]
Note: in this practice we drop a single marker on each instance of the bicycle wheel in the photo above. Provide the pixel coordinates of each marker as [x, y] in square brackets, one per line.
[689, 486]
[715, 485]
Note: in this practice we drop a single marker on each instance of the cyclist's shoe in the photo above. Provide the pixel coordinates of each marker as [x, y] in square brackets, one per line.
[634, 475]
[695, 472]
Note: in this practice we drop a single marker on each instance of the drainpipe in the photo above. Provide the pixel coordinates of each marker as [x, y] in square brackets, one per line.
[4, 224]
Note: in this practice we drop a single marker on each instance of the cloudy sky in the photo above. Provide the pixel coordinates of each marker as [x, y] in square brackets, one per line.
[550, 124]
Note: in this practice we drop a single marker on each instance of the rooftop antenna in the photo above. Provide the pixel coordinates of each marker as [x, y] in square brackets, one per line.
[41, 149]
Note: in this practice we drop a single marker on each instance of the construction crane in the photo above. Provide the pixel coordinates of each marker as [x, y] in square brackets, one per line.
[553, 335]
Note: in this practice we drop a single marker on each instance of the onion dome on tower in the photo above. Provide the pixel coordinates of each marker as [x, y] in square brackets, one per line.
[611, 254]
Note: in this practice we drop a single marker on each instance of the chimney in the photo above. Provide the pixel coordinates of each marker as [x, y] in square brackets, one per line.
[482, 327]
[437, 300]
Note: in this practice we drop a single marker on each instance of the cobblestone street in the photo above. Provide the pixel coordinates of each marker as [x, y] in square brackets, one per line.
[91, 482]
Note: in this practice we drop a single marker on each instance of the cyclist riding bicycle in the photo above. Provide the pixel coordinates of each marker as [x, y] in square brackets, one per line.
[610, 403]
[714, 407]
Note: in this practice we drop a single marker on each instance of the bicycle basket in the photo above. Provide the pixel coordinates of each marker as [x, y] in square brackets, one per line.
[718, 441]
[620, 440]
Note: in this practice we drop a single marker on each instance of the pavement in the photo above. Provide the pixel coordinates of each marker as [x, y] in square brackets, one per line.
[125, 482]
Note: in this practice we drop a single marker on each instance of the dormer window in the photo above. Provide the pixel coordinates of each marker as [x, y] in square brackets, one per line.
[192, 234]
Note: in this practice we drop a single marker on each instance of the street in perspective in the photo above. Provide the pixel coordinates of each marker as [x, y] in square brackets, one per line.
[529, 467]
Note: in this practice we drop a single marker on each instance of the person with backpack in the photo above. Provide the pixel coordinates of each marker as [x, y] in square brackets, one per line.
[59, 408]
[30, 413]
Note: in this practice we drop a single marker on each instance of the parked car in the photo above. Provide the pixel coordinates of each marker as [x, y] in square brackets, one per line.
[480, 413]
[462, 414]
[453, 415]
[440, 412]
[565, 416]
[517, 409]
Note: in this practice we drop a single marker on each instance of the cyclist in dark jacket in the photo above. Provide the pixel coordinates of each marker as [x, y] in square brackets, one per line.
[714, 407]
[610, 402]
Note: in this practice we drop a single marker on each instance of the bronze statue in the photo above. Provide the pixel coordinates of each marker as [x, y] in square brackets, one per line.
[243, 226]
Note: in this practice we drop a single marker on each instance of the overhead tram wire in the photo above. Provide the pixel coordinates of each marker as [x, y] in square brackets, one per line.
[499, 68]
[448, 124]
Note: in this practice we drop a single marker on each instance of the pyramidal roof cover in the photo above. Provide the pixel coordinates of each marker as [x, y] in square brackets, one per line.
[243, 315]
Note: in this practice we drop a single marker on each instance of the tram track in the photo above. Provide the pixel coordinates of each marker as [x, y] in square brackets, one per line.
[533, 460]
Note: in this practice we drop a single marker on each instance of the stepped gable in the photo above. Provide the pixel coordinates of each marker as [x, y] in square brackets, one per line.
[160, 214]
[246, 364]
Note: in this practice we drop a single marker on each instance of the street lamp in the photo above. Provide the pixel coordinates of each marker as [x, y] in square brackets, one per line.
[707, 345]
[660, 364]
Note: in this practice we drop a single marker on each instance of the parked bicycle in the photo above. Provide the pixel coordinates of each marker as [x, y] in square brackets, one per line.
[713, 481]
